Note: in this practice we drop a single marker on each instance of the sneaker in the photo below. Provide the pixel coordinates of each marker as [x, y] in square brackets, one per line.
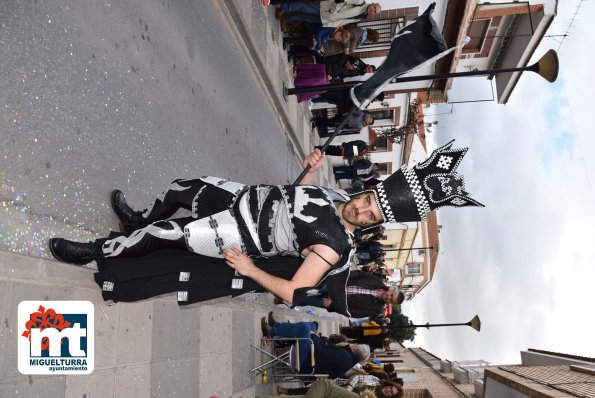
[266, 3]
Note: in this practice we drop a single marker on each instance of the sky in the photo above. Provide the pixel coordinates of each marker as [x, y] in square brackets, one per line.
[526, 262]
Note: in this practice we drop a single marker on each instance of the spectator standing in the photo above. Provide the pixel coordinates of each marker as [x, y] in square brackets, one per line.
[348, 150]
[328, 12]
[363, 169]
[357, 121]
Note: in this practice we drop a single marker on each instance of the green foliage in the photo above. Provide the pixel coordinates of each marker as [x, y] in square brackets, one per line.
[400, 334]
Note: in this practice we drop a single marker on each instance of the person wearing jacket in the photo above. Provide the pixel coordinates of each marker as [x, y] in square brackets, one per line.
[328, 12]
[331, 359]
[348, 150]
[358, 37]
[341, 66]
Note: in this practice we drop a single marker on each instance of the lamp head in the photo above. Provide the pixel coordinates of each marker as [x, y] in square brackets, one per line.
[475, 323]
[547, 66]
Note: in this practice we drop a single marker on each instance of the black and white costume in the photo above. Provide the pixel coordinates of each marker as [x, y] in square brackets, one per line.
[209, 215]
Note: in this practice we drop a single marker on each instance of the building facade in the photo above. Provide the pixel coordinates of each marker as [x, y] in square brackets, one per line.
[541, 374]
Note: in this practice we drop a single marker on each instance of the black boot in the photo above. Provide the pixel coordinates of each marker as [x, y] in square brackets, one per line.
[75, 252]
[271, 319]
[130, 219]
[264, 327]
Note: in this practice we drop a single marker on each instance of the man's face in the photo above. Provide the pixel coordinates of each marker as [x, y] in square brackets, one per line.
[374, 8]
[390, 296]
[362, 211]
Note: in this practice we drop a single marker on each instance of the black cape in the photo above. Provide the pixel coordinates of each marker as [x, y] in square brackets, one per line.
[138, 278]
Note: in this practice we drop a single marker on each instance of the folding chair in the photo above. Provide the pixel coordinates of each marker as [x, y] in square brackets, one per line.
[285, 360]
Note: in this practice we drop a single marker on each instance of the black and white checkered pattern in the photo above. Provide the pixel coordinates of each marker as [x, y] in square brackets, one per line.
[383, 203]
[423, 206]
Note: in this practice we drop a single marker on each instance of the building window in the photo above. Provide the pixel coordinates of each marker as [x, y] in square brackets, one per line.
[413, 268]
[382, 144]
[387, 28]
[378, 114]
[385, 168]
[477, 33]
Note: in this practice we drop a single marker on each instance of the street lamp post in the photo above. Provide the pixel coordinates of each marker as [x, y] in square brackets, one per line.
[475, 323]
[547, 67]
[409, 249]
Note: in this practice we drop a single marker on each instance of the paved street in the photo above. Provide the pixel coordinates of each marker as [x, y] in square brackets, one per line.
[133, 94]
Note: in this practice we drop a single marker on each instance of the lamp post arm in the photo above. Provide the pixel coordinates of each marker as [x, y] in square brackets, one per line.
[547, 67]
[409, 326]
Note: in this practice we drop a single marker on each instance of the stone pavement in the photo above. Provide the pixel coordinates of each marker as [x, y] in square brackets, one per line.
[152, 348]
[261, 39]
[155, 348]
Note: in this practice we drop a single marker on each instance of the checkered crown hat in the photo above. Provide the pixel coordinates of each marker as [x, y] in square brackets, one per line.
[409, 194]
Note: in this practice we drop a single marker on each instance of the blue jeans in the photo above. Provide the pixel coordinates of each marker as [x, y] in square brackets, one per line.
[306, 12]
[299, 330]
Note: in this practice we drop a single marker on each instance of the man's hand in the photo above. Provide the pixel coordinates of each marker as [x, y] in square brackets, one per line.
[315, 160]
[239, 261]
[327, 302]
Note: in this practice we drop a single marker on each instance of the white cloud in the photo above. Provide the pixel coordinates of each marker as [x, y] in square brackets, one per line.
[525, 262]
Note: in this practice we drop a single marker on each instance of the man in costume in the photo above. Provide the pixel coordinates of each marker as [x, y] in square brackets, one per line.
[228, 221]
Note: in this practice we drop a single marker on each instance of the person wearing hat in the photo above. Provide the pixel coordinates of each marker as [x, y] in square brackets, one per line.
[183, 242]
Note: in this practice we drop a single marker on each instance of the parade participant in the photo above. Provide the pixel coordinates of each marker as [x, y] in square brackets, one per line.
[229, 220]
[225, 222]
